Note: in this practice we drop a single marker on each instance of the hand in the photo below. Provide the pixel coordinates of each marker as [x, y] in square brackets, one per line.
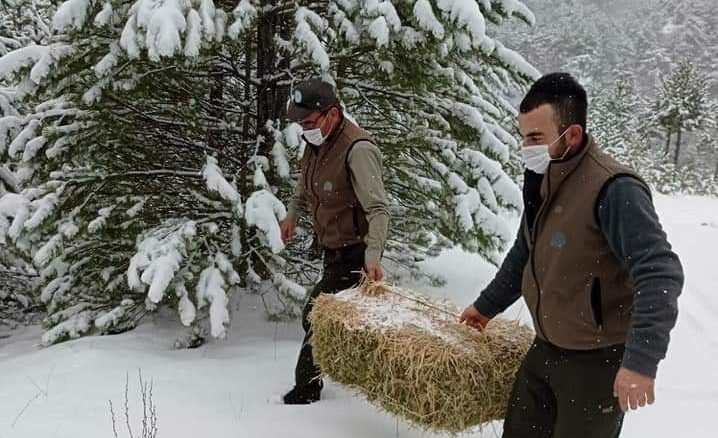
[287, 228]
[374, 271]
[634, 389]
[474, 318]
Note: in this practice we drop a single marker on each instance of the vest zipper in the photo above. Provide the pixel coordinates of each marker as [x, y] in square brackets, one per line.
[316, 196]
[537, 220]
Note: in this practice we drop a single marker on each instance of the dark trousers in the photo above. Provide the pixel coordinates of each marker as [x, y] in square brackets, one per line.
[342, 270]
[562, 393]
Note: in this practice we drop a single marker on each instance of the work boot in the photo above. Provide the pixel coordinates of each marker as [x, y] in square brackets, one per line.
[303, 395]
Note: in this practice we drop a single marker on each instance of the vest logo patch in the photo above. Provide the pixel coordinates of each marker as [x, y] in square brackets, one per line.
[328, 186]
[558, 240]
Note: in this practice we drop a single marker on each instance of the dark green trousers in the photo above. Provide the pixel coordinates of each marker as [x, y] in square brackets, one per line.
[561, 393]
[342, 270]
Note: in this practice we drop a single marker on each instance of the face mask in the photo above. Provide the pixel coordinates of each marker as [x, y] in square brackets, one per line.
[537, 158]
[315, 136]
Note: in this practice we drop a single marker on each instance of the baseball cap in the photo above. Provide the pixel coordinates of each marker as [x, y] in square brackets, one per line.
[310, 96]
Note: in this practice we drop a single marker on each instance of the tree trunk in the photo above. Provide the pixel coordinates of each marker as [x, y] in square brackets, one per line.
[216, 109]
[678, 147]
[715, 174]
[668, 142]
[272, 94]
[242, 180]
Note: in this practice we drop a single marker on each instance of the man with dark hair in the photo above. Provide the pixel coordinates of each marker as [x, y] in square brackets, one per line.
[342, 185]
[597, 273]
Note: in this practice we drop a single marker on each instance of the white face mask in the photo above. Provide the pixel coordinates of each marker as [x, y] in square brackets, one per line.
[314, 136]
[537, 158]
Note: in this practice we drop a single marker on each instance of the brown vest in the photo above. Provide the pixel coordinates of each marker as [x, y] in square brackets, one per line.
[338, 217]
[578, 293]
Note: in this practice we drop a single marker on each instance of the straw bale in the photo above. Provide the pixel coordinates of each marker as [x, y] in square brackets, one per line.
[409, 355]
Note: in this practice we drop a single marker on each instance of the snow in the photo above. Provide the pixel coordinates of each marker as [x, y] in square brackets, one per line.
[158, 257]
[20, 58]
[68, 229]
[16, 207]
[229, 388]
[99, 222]
[349, 30]
[41, 58]
[113, 316]
[386, 67]
[194, 34]
[47, 251]
[207, 12]
[72, 328]
[397, 308]
[386, 8]
[128, 39]
[104, 16]
[6, 100]
[8, 125]
[279, 153]
[8, 181]
[515, 61]
[109, 61]
[216, 182]
[43, 208]
[263, 210]
[245, 13]
[465, 13]
[220, 25]
[42, 67]
[27, 134]
[517, 8]
[487, 194]
[186, 307]
[32, 147]
[260, 181]
[210, 290]
[308, 39]
[163, 31]
[71, 14]
[503, 186]
[379, 30]
[136, 209]
[289, 287]
[158, 27]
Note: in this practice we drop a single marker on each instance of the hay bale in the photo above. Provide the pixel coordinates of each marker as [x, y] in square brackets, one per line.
[410, 356]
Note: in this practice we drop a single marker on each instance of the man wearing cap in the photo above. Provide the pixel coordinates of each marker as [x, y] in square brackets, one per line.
[341, 186]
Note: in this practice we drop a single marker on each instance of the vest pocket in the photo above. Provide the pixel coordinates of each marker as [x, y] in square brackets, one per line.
[596, 307]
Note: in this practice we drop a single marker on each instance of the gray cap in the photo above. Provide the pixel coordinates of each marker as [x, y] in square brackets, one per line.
[310, 96]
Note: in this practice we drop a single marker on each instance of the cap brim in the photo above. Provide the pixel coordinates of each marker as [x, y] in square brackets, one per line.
[296, 113]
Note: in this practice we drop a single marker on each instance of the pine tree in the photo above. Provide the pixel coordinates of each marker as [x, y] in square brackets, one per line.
[614, 121]
[20, 26]
[681, 105]
[154, 153]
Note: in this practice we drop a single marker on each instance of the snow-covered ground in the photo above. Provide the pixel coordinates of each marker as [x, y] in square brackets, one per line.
[230, 388]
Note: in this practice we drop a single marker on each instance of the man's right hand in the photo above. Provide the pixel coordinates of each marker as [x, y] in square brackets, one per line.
[473, 318]
[287, 228]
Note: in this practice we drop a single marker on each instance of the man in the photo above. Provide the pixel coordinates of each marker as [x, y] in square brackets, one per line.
[341, 184]
[596, 271]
